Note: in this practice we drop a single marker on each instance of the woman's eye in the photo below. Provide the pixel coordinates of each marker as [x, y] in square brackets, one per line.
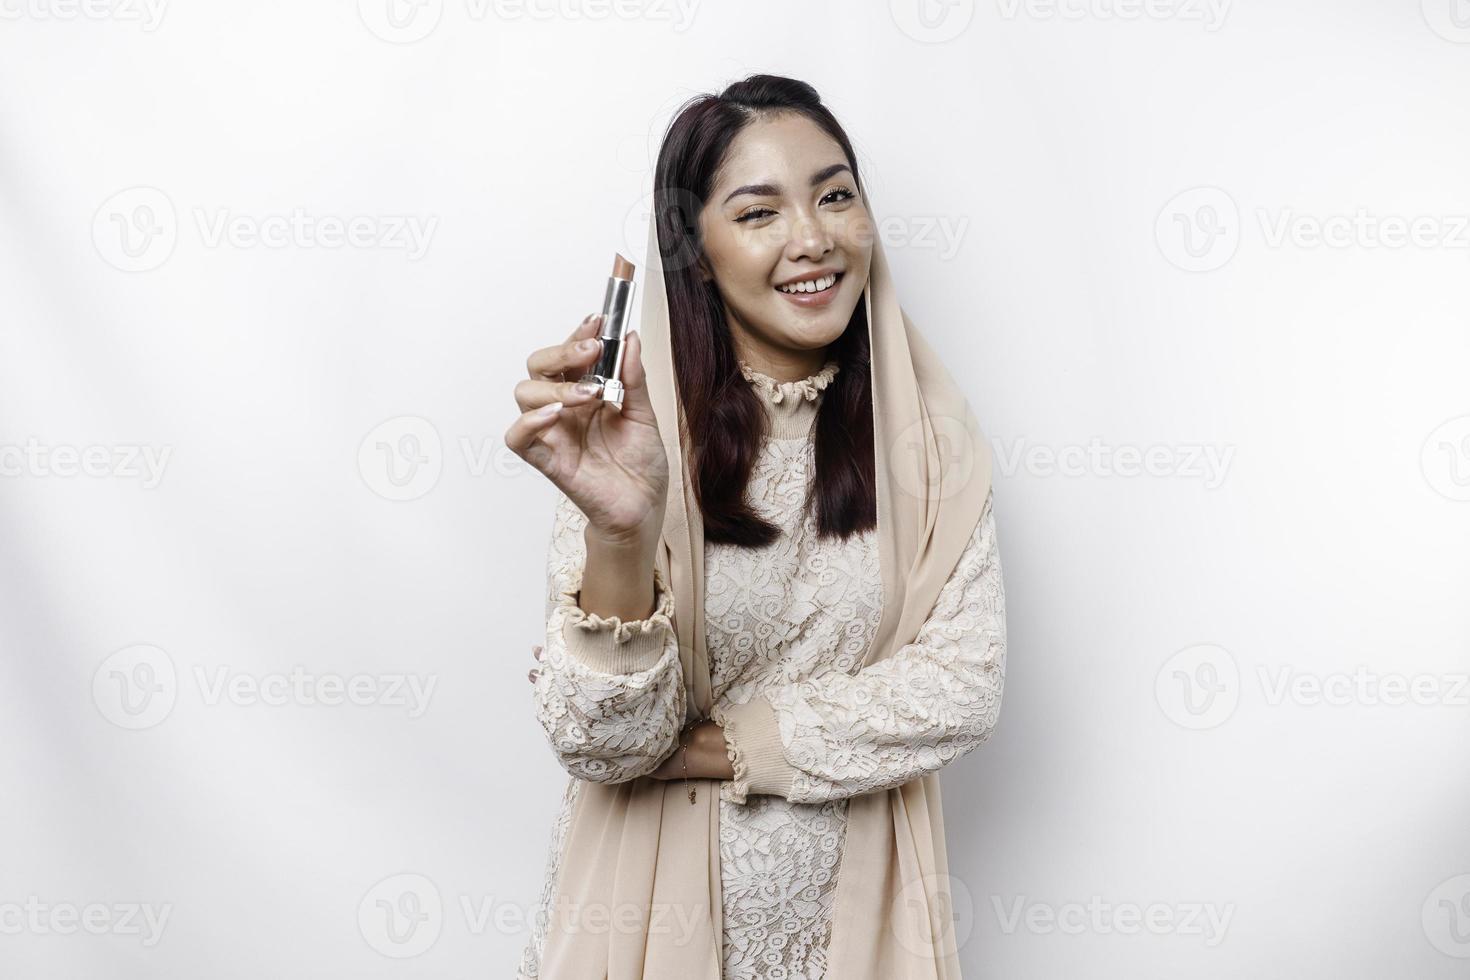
[835, 196]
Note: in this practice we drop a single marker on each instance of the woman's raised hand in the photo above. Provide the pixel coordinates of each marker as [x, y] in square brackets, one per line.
[610, 463]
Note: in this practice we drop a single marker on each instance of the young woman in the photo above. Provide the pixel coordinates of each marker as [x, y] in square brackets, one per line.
[774, 600]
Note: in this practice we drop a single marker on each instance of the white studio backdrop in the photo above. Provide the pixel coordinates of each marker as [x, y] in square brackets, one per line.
[269, 579]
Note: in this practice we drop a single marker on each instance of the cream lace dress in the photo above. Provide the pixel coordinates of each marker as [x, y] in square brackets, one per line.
[786, 627]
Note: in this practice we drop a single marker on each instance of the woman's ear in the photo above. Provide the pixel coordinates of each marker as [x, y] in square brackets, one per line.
[705, 275]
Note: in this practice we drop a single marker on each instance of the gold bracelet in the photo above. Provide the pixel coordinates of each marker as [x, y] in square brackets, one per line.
[684, 755]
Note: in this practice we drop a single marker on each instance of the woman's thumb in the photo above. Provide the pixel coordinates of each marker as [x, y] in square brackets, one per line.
[636, 401]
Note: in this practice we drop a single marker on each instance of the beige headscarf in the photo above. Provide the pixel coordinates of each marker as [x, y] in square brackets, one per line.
[638, 896]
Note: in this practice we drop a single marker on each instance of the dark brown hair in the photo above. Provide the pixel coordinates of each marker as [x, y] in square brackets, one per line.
[721, 408]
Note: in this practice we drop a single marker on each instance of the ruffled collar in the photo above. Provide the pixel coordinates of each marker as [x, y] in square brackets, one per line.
[803, 388]
[791, 405]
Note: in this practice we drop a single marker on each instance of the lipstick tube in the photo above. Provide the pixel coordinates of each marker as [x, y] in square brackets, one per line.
[617, 307]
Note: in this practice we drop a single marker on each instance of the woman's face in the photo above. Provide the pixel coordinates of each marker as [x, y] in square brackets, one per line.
[785, 209]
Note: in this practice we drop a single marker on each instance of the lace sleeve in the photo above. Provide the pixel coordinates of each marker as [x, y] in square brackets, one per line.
[610, 694]
[838, 735]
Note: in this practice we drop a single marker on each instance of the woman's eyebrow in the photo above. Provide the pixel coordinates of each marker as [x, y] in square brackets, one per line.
[772, 189]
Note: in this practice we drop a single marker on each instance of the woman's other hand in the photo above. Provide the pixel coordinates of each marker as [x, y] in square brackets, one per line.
[708, 757]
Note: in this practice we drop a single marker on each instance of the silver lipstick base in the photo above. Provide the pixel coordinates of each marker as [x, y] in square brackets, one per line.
[617, 306]
[612, 389]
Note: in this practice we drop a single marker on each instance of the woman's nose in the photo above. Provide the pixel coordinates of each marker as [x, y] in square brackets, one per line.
[810, 238]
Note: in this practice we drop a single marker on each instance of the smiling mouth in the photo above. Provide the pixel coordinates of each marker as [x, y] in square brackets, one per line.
[810, 287]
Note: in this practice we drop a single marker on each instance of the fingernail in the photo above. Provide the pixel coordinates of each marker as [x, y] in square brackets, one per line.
[586, 387]
[588, 345]
[548, 410]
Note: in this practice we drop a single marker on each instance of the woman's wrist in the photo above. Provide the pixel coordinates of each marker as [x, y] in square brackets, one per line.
[708, 742]
[617, 579]
[644, 537]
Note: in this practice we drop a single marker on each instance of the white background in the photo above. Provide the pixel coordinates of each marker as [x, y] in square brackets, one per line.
[1130, 195]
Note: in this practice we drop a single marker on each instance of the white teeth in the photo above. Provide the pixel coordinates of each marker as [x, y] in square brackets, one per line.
[810, 286]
